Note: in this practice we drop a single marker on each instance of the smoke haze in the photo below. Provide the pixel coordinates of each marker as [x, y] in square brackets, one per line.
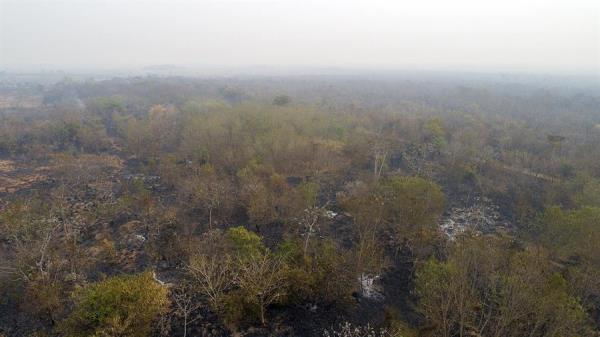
[559, 35]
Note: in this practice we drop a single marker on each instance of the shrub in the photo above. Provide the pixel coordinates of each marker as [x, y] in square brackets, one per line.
[118, 306]
[244, 243]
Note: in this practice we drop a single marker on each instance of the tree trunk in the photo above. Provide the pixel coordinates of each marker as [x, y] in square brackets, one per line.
[306, 244]
[185, 325]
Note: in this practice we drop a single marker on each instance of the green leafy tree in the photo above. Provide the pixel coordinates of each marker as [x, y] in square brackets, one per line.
[435, 133]
[282, 100]
[244, 243]
[486, 288]
[117, 306]
[411, 202]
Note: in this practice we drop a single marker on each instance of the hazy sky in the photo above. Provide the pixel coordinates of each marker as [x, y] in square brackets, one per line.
[459, 34]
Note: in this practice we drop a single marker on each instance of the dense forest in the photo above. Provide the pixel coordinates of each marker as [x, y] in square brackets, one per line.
[330, 206]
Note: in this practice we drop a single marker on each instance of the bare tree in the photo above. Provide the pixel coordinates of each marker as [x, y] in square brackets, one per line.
[208, 190]
[262, 280]
[309, 222]
[380, 154]
[212, 276]
[185, 305]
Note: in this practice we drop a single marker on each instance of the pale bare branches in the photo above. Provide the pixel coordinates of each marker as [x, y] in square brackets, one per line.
[186, 305]
[212, 276]
[262, 279]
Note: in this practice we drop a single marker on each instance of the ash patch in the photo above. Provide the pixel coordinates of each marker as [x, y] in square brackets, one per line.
[481, 217]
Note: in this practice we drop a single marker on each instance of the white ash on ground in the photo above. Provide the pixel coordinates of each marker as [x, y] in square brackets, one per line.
[370, 287]
[482, 217]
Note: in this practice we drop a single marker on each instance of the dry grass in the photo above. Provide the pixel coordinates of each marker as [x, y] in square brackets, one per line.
[13, 184]
[14, 178]
[6, 166]
[12, 102]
